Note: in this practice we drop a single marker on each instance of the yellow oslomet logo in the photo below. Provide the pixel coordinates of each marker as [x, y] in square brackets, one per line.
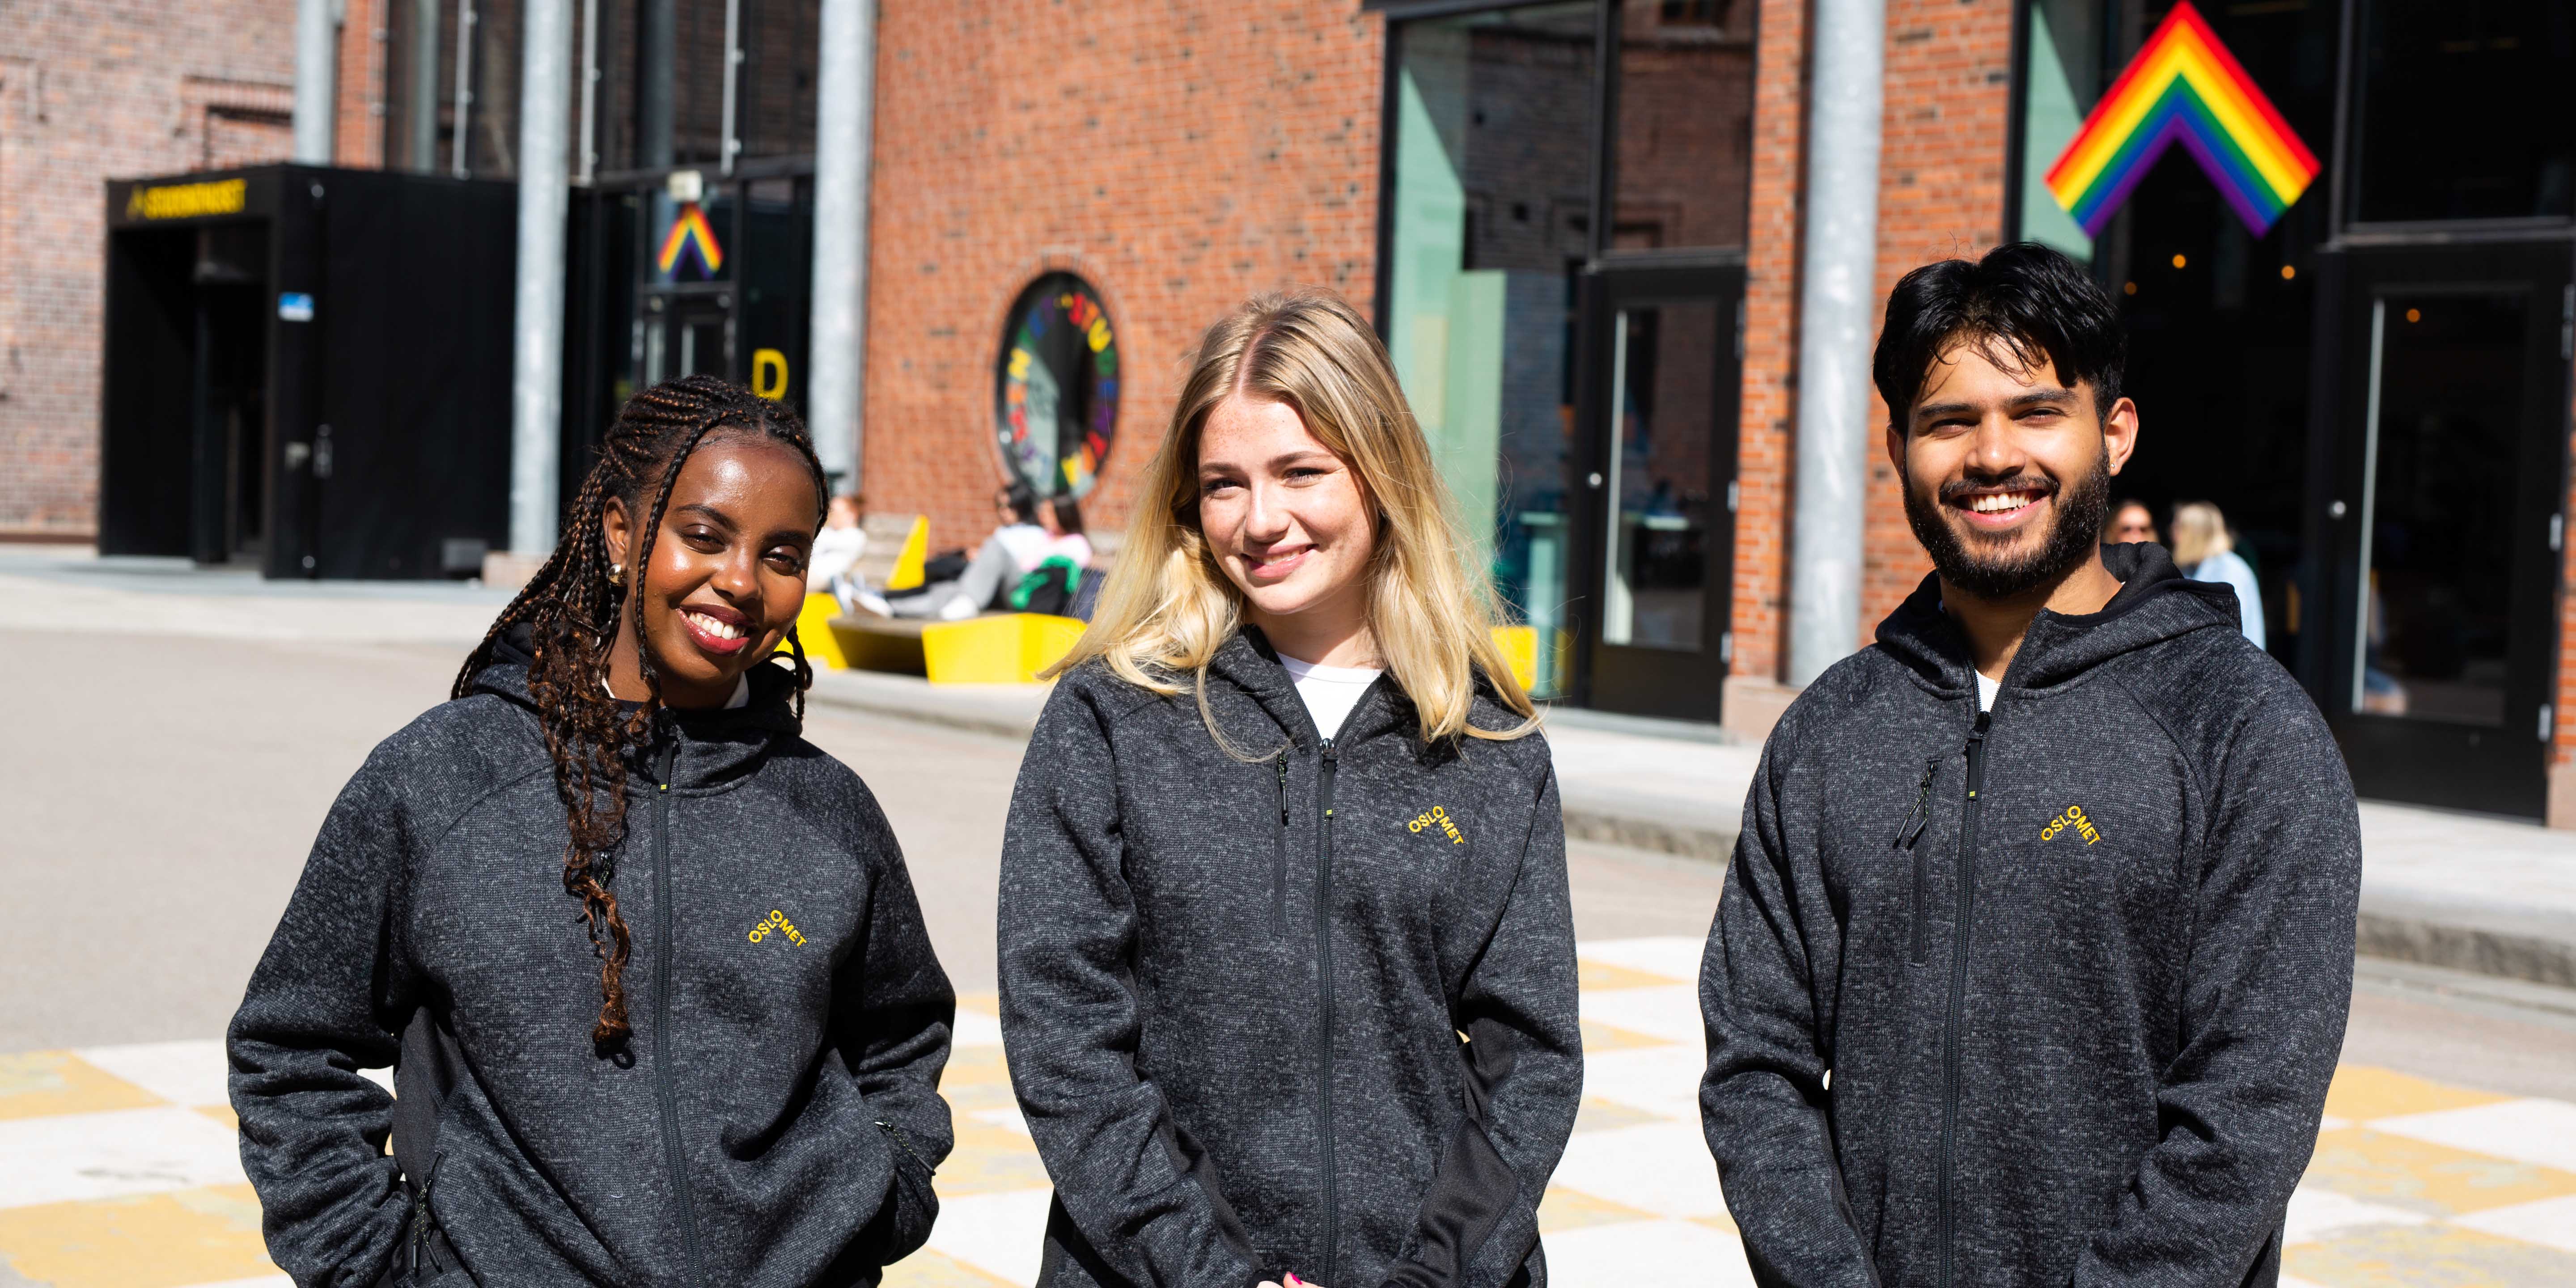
[776, 923]
[2075, 818]
[1437, 817]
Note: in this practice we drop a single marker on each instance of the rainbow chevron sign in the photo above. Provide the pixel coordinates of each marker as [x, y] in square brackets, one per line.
[690, 234]
[2185, 86]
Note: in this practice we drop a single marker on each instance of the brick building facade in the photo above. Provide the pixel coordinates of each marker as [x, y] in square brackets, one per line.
[89, 92]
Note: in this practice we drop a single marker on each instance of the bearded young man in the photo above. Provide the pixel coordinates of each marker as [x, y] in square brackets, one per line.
[2034, 956]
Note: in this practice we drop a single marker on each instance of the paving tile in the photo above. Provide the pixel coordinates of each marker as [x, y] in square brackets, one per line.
[1663, 1080]
[1561, 1209]
[45, 1083]
[999, 1234]
[1599, 1037]
[2423, 1177]
[2531, 1131]
[1597, 1114]
[974, 1028]
[931, 1268]
[1659, 1168]
[71, 1157]
[1670, 1012]
[988, 1160]
[2551, 1222]
[138, 1241]
[2426, 1256]
[1675, 957]
[183, 1073]
[1638, 1253]
[2361, 1093]
[1594, 977]
[2317, 1212]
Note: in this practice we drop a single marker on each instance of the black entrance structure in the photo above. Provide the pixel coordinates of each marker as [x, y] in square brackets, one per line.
[308, 369]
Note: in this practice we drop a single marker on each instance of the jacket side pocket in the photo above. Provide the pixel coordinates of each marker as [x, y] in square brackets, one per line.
[912, 1204]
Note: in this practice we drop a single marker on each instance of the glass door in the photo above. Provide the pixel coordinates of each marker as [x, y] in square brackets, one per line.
[1662, 480]
[2447, 524]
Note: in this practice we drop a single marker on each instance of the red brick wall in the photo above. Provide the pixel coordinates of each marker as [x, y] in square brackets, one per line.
[1768, 428]
[1179, 155]
[359, 130]
[107, 88]
[1941, 194]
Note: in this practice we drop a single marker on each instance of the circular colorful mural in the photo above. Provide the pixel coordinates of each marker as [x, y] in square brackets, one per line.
[1055, 398]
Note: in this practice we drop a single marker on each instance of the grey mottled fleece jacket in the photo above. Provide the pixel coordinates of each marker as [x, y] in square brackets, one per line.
[1232, 993]
[774, 1118]
[2078, 970]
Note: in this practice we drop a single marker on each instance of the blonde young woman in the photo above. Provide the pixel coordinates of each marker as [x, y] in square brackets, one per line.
[1287, 964]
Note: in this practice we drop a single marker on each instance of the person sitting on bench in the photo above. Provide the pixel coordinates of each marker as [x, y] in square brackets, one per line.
[1019, 544]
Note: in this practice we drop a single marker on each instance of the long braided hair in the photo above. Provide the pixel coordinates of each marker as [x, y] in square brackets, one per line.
[571, 609]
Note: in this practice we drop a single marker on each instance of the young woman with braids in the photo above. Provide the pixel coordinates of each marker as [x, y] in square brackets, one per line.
[647, 965]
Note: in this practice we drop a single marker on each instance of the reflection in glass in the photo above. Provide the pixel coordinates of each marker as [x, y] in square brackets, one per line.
[1490, 214]
[2437, 478]
[1685, 124]
[1663, 363]
[2468, 109]
[2061, 76]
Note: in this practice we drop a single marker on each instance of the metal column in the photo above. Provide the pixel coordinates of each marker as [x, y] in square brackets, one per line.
[536, 367]
[317, 79]
[842, 133]
[1839, 287]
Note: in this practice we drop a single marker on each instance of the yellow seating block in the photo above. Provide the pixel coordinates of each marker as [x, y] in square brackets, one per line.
[916, 553]
[1520, 648]
[814, 631]
[1001, 648]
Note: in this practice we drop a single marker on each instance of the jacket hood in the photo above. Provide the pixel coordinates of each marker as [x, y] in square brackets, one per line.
[2155, 603]
[711, 747]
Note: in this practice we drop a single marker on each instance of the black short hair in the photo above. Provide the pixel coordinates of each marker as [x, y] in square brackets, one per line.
[2020, 303]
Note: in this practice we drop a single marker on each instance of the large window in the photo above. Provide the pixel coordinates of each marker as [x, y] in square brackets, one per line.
[1506, 140]
[2467, 110]
[1492, 220]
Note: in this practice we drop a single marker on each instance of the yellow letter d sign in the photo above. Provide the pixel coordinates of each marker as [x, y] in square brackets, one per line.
[769, 374]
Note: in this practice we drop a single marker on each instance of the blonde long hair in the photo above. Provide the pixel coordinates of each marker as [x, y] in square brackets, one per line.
[1168, 607]
[2199, 531]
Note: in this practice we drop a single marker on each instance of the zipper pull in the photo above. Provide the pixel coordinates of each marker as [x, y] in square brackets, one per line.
[1916, 817]
[1283, 787]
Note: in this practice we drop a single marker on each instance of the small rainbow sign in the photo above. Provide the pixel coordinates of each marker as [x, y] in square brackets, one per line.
[2185, 86]
[690, 234]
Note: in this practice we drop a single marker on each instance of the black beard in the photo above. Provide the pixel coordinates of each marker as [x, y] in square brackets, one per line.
[2081, 507]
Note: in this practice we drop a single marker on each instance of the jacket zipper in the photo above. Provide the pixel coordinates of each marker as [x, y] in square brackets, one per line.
[420, 1220]
[1324, 982]
[662, 1084]
[1959, 980]
[1279, 868]
[1906, 832]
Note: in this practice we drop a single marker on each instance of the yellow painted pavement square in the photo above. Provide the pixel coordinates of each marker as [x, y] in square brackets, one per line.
[43, 1084]
[140, 1241]
[2378, 1209]
[2420, 1176]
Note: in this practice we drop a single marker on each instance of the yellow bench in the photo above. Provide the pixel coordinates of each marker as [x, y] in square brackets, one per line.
[997, 648]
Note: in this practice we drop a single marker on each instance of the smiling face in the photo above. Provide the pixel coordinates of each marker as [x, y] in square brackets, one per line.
[727, 576]
[2007, 473]
[1291, 526]
[2130, 523]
